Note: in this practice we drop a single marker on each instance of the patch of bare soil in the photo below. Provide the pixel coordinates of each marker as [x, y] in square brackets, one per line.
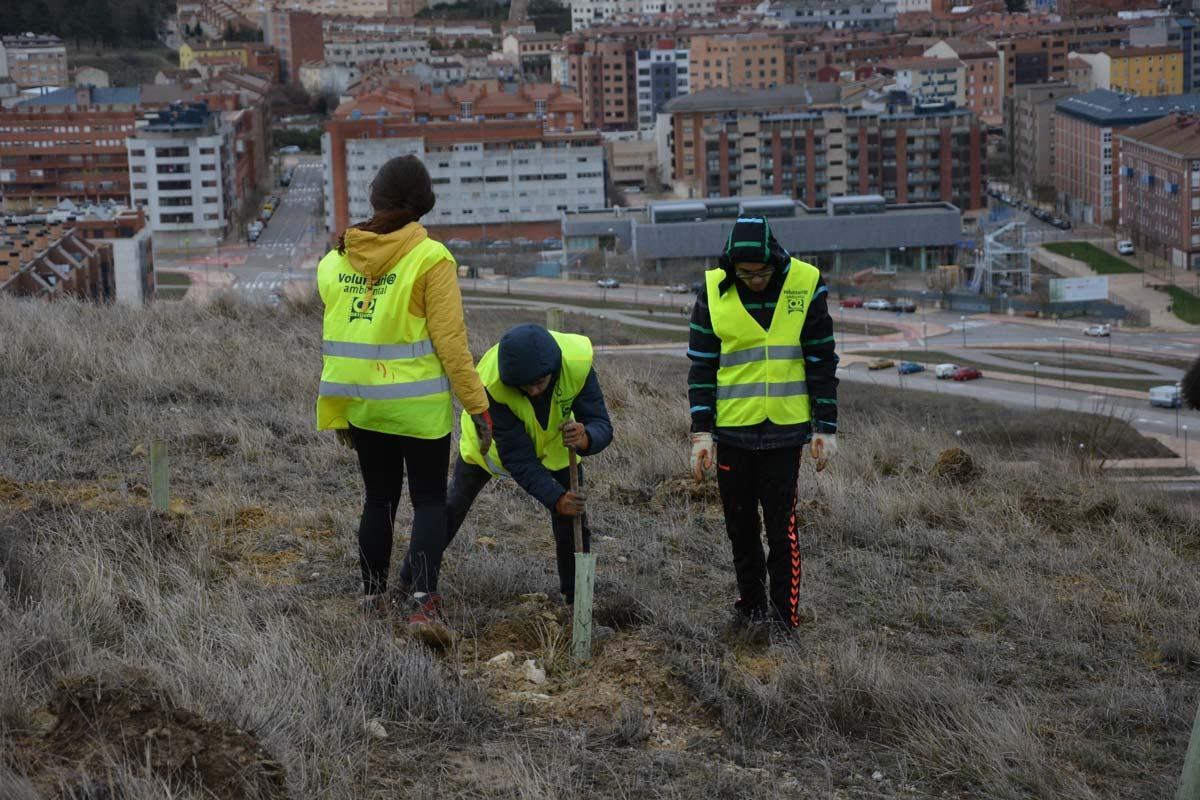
[89, 725]
[627, 674]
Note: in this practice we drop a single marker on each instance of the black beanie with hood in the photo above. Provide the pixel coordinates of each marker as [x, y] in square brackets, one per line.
[751, 241]
[527, 354]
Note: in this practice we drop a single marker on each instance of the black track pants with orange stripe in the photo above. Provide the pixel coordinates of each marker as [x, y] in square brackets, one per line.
[749, 479]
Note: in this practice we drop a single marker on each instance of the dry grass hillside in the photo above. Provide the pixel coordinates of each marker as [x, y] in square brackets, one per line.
[973, 629]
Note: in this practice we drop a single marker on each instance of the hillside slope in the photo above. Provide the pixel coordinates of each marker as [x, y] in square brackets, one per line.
[973, 630]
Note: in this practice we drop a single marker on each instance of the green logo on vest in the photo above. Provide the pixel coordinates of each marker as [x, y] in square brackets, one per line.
[795, 300]
[360, 310]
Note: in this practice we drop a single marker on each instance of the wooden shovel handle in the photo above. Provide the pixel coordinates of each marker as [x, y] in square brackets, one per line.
[577, 520]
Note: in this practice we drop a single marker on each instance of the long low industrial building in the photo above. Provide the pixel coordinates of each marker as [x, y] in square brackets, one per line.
[681, 237]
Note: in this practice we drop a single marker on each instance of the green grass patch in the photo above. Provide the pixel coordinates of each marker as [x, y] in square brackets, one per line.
[1184, 305]
[172, 279]
[1103, 262]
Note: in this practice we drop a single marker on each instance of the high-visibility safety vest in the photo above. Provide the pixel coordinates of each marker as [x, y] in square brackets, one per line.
[761, 374]
[547, 442]
[380, 370]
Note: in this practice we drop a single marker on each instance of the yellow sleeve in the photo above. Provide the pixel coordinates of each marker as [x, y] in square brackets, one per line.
[443, 314]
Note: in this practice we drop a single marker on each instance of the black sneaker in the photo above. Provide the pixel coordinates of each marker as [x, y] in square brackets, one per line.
[748, 614]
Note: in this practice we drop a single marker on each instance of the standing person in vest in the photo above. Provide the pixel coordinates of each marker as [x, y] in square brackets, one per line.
[545, 397]
[762, 384]
[395, 346]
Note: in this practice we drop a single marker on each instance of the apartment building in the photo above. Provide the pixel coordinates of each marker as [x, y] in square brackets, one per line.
[592, 13]
[32, 60]
[750, 60]
[1137, 70]
[662, 75]
[51, 261]
[1179, 32]
[981, 64]
[928, 80]
[1029, 121]
[1160, 194]
[358, 52]
[181, 170]
[1031, 58]
[800, 142]
[125, 232]
[602, 72]
[1087, 147]
[71, 144]
[298, 37]
[496, 155]
[873, 15]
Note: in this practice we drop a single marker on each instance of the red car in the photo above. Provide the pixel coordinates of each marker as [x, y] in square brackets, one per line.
[852, 302]
[967, 374]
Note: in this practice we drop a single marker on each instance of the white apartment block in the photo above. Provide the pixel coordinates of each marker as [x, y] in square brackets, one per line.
[482, 183]
[182, 181]
[586, 13]
[371, 51]
[662, 75]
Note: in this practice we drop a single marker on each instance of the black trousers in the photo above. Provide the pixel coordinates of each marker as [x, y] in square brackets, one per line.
[466, 484]
[383, 458]
[748, 479]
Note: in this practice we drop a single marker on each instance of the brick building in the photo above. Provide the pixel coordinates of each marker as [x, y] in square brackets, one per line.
[800, 142]
[1034, 58]
[298, 37]
[51, 261]
[125, 231]
[500, 159]
[1029, 121]
[1160, 188]
[602, 72]
[981, 63]
[31, 60]
[1087, 148]
[751, 60]
[70, 144]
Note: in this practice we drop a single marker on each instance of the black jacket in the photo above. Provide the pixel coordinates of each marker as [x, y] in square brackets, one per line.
[816, 338]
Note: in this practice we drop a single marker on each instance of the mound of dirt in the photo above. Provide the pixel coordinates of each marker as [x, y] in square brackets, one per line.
[954, 465]
[92, 725]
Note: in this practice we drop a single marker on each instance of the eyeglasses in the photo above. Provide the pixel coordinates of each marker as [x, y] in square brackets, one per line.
[749, 275]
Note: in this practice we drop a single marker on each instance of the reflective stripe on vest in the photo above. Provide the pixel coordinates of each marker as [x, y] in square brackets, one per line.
[380, 370]
[761, 374]
[547, 442]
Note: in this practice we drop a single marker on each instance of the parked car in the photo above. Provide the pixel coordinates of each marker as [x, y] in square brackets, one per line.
[851, 302]
[967, 374]
[286, 178]
[944, 371]
[878, 305]
[552, 243]
[254, 231]
[678, 288]
[1125, 247]
[907, 306]
[521, 241]
[1166, 396]
[608, 283]
[909, 367]
[1063, 224]
[458, 244]
[880, 363]
[1097, 330]
[290, 149]
[499, 244]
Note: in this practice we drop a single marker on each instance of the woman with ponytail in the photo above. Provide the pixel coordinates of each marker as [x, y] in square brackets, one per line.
[394, 351]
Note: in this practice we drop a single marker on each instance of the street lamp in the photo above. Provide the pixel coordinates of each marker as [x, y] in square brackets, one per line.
[962, 321]
[1062, 340]
[1035, 368]
[1185, 447]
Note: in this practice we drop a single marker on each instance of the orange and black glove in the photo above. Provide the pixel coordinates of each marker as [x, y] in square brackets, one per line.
[702, 454]
[483, 430]
[571, 504]
[575, 435]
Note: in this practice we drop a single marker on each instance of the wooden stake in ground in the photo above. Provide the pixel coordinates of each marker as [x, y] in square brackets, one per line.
[585, 581]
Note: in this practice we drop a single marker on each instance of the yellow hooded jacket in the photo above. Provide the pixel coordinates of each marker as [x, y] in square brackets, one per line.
[394, 321]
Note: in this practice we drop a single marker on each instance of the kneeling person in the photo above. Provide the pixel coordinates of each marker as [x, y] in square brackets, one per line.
[545, 397]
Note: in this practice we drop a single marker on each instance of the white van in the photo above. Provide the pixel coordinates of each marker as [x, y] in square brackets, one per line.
[1125, 247]
[1166, 396]
[943, 371]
